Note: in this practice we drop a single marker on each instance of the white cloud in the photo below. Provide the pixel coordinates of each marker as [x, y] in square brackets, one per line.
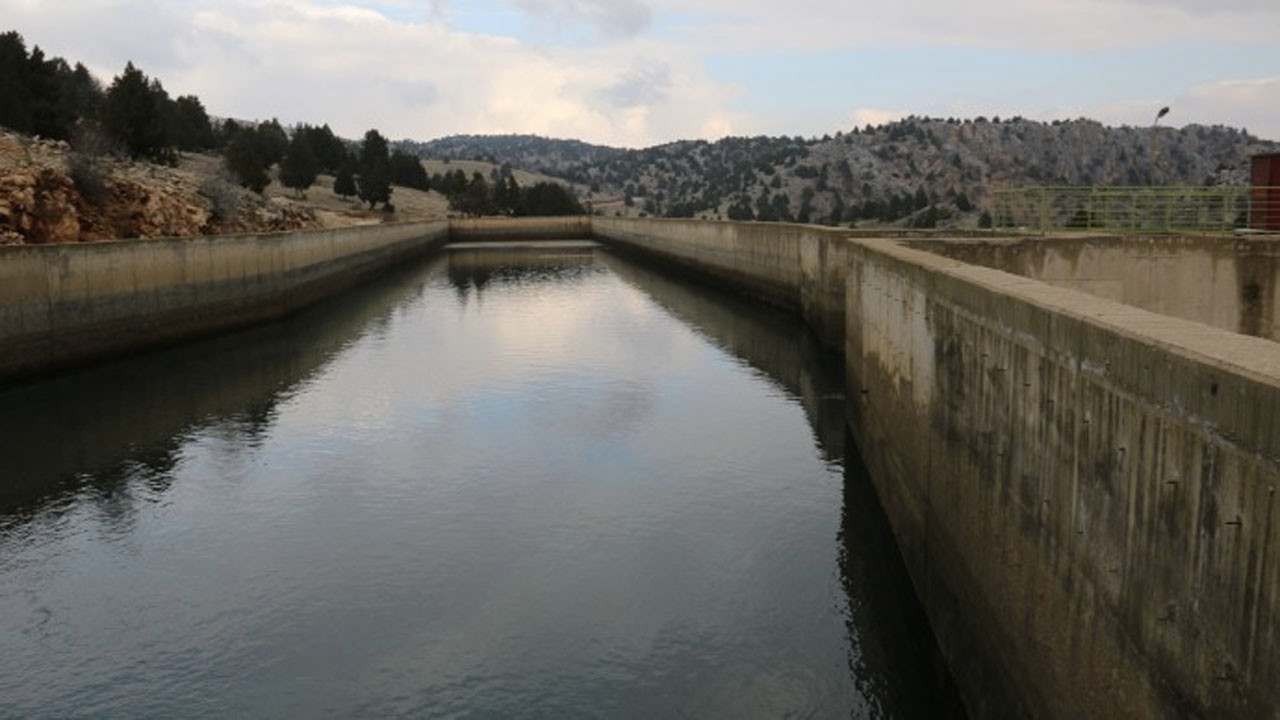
[612, 18]
[400, 66]
[356, 68]
[1070, 25]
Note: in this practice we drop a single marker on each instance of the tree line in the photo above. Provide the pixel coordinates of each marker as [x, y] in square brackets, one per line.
[135, 115]
[501, 194]
[51, 98]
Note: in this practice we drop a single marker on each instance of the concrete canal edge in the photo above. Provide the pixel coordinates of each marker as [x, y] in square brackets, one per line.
[1084, 492]
[67, 304]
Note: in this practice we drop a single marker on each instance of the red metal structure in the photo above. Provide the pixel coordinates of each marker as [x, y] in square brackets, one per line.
[1264, 198]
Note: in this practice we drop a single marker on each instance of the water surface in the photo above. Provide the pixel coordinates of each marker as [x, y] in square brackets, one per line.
[505, 482]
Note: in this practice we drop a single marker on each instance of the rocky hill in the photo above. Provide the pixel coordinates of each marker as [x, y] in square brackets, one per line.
[918, 171]
[50, 193]
[526, 152]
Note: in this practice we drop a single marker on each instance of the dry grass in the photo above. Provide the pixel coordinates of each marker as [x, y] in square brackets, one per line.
[330, 209]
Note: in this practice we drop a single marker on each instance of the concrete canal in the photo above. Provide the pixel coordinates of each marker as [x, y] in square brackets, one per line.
[502, 481]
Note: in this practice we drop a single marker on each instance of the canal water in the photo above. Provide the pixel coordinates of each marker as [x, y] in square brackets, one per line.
[511, 481]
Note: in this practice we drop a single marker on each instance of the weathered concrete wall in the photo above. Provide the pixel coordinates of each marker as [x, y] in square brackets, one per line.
[577, 227]
[1084, 492]
[62, 304]
[795, 267]
[1224, 281]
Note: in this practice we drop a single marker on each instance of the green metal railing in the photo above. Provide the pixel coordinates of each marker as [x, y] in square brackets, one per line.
[1159, 208]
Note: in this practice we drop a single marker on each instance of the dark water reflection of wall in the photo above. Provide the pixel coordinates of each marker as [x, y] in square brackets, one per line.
[875, 581]
[129, 417]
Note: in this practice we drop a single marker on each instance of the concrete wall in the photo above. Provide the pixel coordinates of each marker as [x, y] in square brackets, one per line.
[1227, 282]
[794, 267]
[1084, 492]
[576, 227]
[62, 304]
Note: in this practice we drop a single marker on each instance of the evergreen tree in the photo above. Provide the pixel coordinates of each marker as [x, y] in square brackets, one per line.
[245, 161]
[191, 127]
[226, 132]
[475, 199]
[299, 167]
[506, 195]
[43, 97]
[344, 184]
[765, 211]
[407, 170]
[741, 210]
[548, 199]
[374, 170]
[15, 111]
[273, 142]
[329, 151]
[50, 116]
[133, 112]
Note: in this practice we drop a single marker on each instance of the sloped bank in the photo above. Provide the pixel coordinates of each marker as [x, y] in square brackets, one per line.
[1084, 492]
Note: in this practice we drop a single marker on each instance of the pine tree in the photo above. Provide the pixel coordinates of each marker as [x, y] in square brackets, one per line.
[506, 195]
[374, 181]
[245, 162]
[192, 129]
[299, 167]
[15, 110]
[273, 142]
[344, 184]
[133, 112]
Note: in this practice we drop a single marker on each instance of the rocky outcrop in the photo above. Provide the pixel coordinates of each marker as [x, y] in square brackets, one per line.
[38, 206]
[51, 194]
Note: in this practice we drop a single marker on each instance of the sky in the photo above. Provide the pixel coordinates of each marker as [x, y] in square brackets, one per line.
[636, 73]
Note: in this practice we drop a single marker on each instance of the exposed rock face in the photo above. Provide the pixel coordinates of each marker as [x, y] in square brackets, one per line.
[38, 205]
[49, 194]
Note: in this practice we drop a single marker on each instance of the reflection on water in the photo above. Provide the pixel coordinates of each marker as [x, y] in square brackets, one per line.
[504, 482]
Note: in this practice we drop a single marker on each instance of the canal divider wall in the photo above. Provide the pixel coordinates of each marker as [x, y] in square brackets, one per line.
[65, 304]
[1084, 492]
[529, 228]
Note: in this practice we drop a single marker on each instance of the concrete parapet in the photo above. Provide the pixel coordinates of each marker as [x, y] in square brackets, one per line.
[62, 304]
[1084, 492]
[1225, 281]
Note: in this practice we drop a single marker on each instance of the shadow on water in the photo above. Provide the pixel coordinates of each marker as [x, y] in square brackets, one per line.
[767, 340]
[472, 268]
[899, 671]
[97, 429]
[881, 596]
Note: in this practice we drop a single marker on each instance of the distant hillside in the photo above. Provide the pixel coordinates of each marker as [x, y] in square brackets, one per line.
[918, 171]
[527, 152]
